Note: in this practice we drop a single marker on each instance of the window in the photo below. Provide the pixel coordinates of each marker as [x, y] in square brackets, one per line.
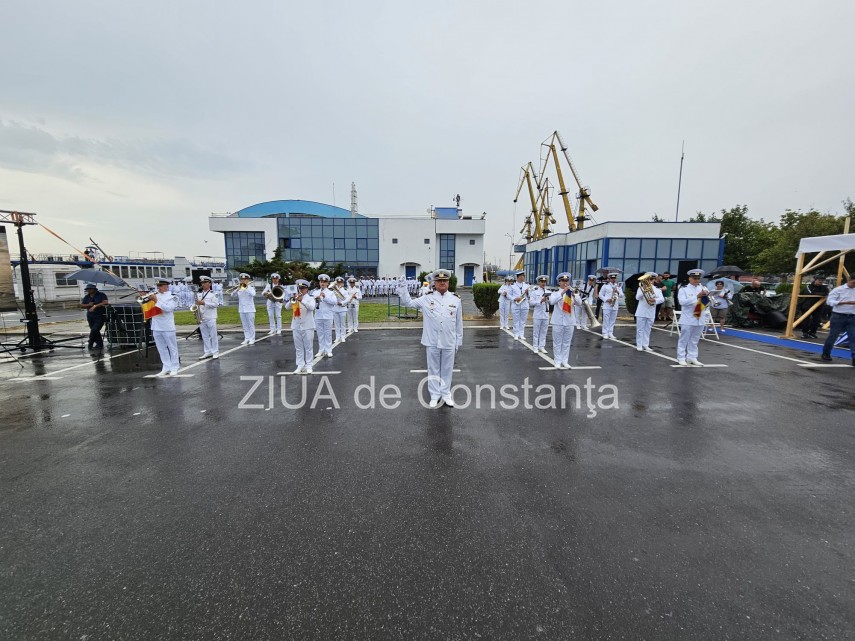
[446, 251]
[394, 241]
[362, 243]
[427, 241]
[62, 282]
[339, 243]
[471, 241]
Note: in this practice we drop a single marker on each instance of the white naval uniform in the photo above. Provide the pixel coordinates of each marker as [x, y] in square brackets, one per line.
[325, 304]
[246, 310]
[442, 334]
[354, 294]
[504, 306]
[340, 312]
[610, 311]
[208, 326]
[274, 310]
[163, 330]
[540, 317]
[645, 314]
[303, 331]
[519, 311]
[563, 325]
[691, 328]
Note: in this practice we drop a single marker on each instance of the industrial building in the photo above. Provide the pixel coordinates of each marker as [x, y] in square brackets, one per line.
[390, 246]
[632, 247]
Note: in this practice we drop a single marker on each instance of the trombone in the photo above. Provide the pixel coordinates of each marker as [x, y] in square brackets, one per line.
[232, 290]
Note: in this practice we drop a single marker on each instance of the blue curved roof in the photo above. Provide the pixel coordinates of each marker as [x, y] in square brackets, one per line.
[307, 207]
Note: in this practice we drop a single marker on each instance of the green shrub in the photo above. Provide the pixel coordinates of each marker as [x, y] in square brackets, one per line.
[787, 288]
[486, 297]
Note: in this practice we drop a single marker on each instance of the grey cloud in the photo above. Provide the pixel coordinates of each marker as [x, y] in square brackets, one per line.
[31, 148]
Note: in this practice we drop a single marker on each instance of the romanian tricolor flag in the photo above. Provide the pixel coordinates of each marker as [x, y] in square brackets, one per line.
[297, 310]
[567, 304]
[150, 309]
[700, 306]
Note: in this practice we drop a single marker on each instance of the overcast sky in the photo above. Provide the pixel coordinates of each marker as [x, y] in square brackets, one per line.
[131, 122]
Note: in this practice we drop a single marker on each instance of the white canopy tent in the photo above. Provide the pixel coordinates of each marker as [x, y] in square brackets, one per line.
[841, 244]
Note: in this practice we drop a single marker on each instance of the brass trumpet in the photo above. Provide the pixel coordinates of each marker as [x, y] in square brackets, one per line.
[146, 297]
[235, 288]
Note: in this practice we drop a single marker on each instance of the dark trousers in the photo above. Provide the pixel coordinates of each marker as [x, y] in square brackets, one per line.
[96, 322]
[840, 323]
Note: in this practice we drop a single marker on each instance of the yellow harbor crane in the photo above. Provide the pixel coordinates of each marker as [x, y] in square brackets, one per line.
[538, 221]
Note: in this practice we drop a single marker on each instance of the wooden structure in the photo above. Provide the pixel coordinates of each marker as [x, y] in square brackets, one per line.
[842, 244]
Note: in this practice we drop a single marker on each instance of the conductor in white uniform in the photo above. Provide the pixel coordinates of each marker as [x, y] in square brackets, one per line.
[691, 325]
[442, 334]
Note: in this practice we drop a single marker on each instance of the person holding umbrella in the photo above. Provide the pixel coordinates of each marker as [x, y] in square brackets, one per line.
[95, 303]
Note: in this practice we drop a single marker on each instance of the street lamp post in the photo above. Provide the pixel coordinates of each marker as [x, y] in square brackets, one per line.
[511, 254]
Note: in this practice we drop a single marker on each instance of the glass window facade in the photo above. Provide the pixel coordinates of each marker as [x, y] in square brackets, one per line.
[632, 255]
[446, 251]
[353, 242]
[242, 247]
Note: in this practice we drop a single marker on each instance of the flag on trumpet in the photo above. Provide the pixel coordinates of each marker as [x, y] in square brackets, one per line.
[567, 304]
[150, 309]
[701, 305]
[297, 310]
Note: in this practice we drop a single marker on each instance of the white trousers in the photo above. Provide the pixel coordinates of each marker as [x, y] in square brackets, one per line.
[687, 344]
[274, 315]
[538, 338]
[440, 364]
[353, 317]
[303, 342]
[562, 336]
[324, 327]
[579, 318]
[609, 318]
[643, 327]
[340, 330]
[167, 347]
[504, 311]
[520, 314]
[247, 320]
[210, 340]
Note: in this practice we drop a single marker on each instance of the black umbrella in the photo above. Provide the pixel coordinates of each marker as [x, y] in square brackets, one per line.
[95, 276]
[606, 270]
[632, 281]
[726, 270]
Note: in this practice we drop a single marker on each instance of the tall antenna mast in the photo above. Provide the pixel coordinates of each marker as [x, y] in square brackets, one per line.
[354, 211]
[680, 182]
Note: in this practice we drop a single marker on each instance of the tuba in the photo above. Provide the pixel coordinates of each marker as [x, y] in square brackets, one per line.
[646, 284]
[277, 293]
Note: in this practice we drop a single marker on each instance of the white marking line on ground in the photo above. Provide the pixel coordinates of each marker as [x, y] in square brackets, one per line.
[700, 366]
[228, 351]
[748, 349]
[37, 378]
[424, 371]
[616, 340]
[823, 365]
[549, 360]
[50, 375]
[168, 376]
[313, 373]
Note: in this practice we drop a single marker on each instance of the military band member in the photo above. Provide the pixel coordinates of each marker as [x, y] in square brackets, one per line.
[274, 307]
[610, 295]
[246, 308]
[588, 294]
[442, 334]
[354, 295]
[340, 311]
[693, 299]
[519, 295]
[302, 325]
[540, 315]
[325, 305]
[505, 303]
[208, 301]
[425, 288]
[563, 303]
[645, 314]
[163, 327]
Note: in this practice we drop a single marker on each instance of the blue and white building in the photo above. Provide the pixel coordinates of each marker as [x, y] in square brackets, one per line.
[391, 246]
[630, 246]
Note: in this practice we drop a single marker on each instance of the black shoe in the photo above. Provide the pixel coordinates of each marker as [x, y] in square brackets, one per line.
[825, 357]
[805, 336]
[813, 335]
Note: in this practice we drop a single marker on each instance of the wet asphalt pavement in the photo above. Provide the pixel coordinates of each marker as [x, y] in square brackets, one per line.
[706, 503]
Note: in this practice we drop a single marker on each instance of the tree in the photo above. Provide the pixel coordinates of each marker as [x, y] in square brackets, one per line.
[658, 219]
[744, 237]
[779, 254]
